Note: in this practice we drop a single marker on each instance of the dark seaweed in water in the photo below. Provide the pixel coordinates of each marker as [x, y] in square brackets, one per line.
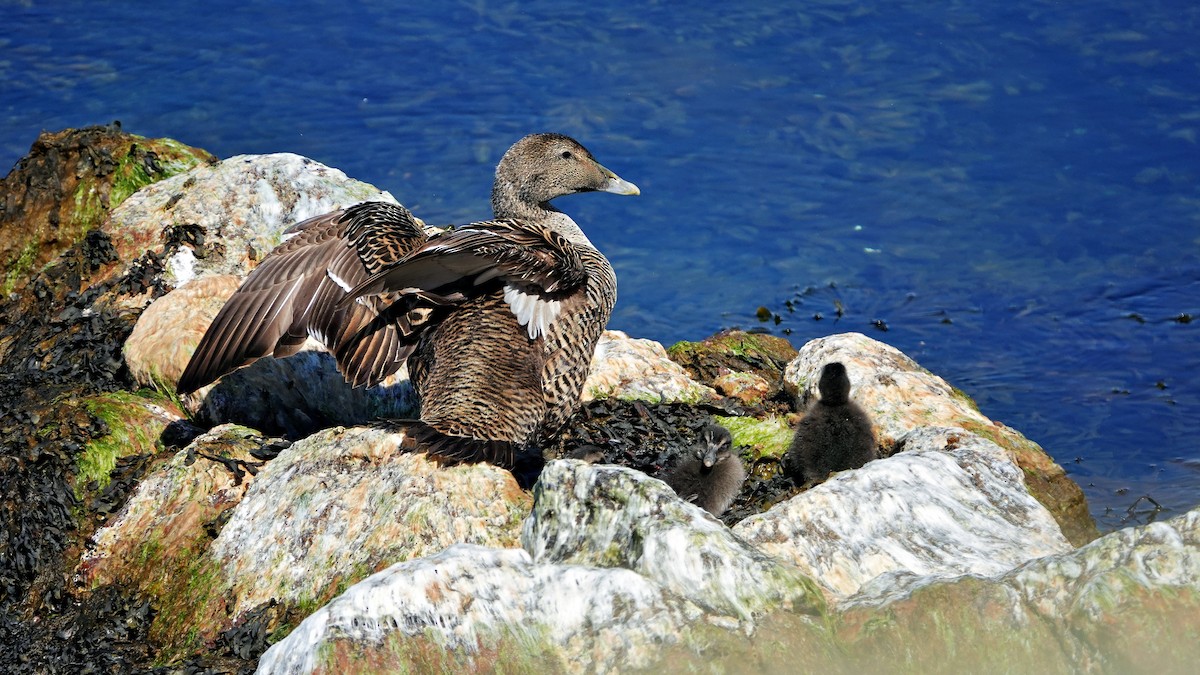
[650, 437]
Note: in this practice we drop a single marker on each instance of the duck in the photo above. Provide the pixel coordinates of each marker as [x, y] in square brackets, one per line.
[711, 474]
[835, 434]
[497, 320]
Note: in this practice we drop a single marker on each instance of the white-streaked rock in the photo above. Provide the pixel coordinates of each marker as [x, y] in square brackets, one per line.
[344, 500]
[633, 368]
[952, 503]
[610, 516]
[244, 203]
[593, 619]
[1125, 603]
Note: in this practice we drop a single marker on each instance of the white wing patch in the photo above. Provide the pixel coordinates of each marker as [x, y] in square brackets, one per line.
[338, 280]
[535, 313]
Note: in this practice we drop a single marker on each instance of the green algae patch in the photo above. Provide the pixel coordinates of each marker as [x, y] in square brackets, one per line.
[134, 428]
[19, 267]
[769, 437]
[190, 603]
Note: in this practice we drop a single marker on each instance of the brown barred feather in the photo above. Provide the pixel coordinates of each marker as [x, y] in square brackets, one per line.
[292, 295]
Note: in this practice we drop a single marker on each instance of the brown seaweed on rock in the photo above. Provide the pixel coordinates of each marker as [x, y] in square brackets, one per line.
[652, 437]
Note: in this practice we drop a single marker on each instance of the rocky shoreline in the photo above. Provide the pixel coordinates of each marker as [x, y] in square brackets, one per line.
[149, 532]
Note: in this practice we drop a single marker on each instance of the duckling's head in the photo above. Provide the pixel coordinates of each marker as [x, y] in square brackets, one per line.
[540, 167]
[834, 384]
[715, 445]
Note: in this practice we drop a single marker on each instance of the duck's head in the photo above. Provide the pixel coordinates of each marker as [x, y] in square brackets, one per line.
[834, 384]
[715, 445]
[540, 167]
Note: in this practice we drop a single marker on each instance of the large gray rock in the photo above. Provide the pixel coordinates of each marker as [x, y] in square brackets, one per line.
[611, 516]
[614, 566]
[489, 609]
[901, 396]
[347, 500]
[1129, 602]
[243, 204]
[326, 512]
[952, 503]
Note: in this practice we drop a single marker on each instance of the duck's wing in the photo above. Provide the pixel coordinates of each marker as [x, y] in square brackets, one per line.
[298, 291]
[537, 267]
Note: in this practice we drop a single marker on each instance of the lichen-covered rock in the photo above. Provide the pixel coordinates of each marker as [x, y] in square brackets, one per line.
[736, 354]
[67, 185]
[477, 609]
[610, 516]
[235, 210]
[631, 368]
[341, 504]
[200, 538]
[164, 521]
[749, 388]
[951, 504]
[900, 396]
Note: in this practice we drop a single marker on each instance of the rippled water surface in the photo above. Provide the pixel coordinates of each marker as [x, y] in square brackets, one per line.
[1010, 189]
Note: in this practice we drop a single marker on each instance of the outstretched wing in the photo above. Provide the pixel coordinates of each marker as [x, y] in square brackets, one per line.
[536, 266]
[299, 290]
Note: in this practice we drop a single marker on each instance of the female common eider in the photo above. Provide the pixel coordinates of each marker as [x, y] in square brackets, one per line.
[712, 474]
[835, 433]
[497, 319]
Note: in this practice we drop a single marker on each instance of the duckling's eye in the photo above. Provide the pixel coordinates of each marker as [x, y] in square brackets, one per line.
[566, 154]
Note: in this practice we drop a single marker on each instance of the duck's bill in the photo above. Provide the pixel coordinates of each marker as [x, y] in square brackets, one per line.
[617, 185]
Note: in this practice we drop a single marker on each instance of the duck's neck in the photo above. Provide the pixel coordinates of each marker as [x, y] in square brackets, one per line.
[507, 203]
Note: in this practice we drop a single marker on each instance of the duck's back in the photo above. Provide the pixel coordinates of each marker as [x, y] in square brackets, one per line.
[480, 375]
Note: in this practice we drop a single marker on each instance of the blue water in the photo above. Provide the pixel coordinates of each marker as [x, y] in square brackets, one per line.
[1011, 188]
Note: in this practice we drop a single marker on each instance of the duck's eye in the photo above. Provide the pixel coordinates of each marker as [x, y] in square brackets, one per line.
[566, 154]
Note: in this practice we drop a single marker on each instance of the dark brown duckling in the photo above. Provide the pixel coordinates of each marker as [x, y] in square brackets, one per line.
[835, 433]
[711, 474]
[497, 319]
